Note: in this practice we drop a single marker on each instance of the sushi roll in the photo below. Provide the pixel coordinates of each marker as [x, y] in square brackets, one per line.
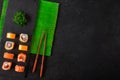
[23, 48]
[8, 55]
[19, 68]
[21, 57]
[11, 35]
[9, 45]
[6, 65]
[23, 38]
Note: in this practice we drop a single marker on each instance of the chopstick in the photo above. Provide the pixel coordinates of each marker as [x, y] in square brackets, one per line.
[43, 56]
[37, 55]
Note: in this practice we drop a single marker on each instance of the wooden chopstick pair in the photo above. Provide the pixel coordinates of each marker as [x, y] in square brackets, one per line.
[44, 36]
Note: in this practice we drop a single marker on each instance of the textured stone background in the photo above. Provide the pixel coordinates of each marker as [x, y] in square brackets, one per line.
[87, 42]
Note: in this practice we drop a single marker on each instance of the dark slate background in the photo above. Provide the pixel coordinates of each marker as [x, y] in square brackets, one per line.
[87, 42]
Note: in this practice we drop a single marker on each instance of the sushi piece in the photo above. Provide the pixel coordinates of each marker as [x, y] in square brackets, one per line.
[21, 57]
[9, 45]
[19, 68]
[8, 55]
[23, 47]
[23, 38]
[6, 65]
[11, 35]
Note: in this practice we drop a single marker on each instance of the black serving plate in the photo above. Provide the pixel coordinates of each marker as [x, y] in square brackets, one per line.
[30, 8]
[1, 2]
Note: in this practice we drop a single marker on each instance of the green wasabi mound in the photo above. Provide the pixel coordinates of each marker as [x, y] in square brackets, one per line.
[20, 18]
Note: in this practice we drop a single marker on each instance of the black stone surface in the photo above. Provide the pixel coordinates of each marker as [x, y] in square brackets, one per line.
[1, 2]
[87, 42]
[30, 8]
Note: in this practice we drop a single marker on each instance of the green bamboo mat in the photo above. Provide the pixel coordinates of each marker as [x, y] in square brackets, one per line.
[46, 21]
[2, 18]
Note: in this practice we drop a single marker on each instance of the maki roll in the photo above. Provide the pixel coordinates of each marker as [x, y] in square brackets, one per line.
[9, 45]
[23, 38]
[8, 55]
[19, 68]
[11, 35]
[6, 65]
[23, 47]
[21, 57]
